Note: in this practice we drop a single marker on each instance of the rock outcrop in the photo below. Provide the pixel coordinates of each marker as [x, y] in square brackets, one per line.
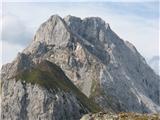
[108, 70]
[42, 92]
[102, 65]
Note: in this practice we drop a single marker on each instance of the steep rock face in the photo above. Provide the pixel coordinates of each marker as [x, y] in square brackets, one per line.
[31, 102]
[107, 69]
[42, 92]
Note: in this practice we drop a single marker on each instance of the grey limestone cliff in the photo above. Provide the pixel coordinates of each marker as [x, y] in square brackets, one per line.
[107, 69]
[41, 92]
[104, 67]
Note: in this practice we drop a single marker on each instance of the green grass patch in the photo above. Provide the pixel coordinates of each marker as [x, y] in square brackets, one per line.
[50, 76]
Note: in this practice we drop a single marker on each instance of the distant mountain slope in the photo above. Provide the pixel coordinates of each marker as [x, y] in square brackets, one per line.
[154, 62]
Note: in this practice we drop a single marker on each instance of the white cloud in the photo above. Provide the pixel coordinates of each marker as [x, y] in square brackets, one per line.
[9, 51]
[14, 30]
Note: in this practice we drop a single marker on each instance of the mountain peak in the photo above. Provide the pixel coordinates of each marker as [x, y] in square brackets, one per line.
[71, 18]
[59, 32]
[56, 16]
[53, 32]
[106, 69]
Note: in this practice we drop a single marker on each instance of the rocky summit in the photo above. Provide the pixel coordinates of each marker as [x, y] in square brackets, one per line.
[88, 53]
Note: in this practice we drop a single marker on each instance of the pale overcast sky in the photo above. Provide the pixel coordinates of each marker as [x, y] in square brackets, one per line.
[136, 22]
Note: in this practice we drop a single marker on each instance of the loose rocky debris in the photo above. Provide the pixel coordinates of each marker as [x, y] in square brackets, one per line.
[120, 116]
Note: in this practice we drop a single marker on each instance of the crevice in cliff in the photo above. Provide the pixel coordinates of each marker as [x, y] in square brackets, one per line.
[24, 103]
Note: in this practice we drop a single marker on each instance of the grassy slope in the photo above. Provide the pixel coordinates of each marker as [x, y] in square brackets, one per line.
[50, 76]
